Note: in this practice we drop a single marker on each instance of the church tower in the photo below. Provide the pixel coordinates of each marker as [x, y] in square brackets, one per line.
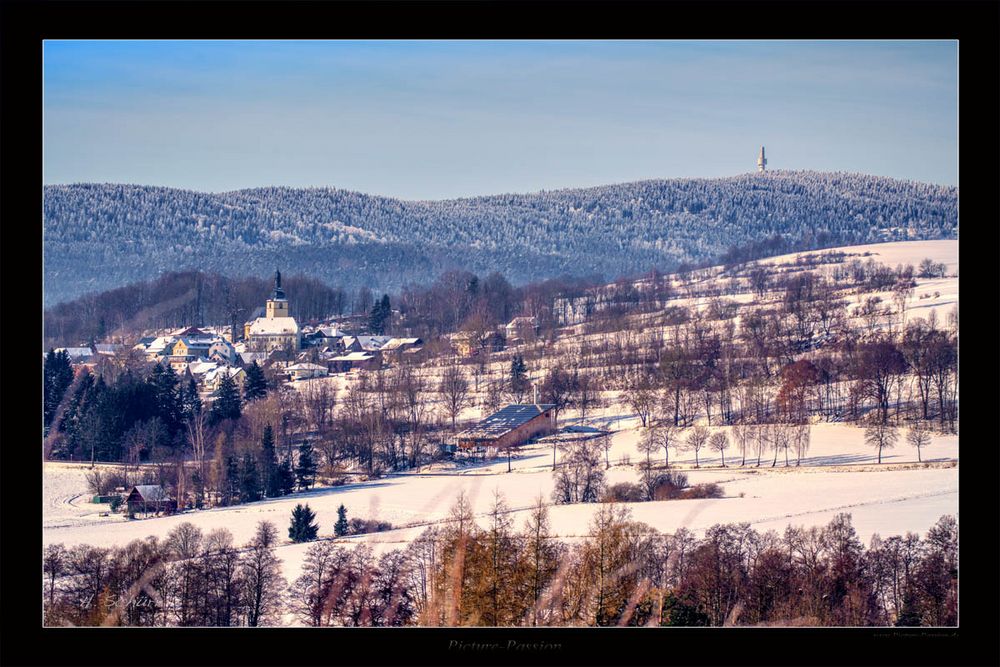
[762, 161]
[277, 305]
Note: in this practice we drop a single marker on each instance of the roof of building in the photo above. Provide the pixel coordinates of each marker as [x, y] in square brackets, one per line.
[150, 492]
[107, 348]
[201, 367]
[354, 356]
[76, 352]
[306, 367]
[397, 343]
[264, 326]
[506, 420]
[370, 343]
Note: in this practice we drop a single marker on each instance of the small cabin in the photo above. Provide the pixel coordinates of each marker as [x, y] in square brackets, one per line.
[149, 499]
[513, 426]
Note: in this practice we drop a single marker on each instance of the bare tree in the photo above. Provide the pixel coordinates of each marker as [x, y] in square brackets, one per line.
[881, 436]
[743, 434]
[454, 390]
[801, 440]
[669, 437]
[696, 440]
[919, 437]
[760, 438]
[605, 442]
[198, 437]
[719, 441]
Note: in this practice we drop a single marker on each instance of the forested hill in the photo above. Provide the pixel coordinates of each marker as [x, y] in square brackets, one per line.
[100, 236]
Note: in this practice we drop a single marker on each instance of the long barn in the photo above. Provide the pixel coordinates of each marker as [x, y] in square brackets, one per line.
[510, 427]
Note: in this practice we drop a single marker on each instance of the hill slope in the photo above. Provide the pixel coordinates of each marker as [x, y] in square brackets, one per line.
[103, 236]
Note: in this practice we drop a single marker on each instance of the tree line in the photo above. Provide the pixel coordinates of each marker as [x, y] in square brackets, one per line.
[471, 571]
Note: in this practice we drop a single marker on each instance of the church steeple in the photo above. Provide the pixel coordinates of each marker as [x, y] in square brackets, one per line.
[277, 305]
[278, 292]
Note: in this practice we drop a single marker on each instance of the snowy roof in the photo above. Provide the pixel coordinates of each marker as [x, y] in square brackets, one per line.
[355, 356]
[107, 348]
[250, 357]
[151, 492]
[306, 367]
[522, 320]
[275, 325]
[367, 342]
[506, 420]
[220, 372]
[161, 343]
[188, 332]
[199, 367]
[331, 332]
[396, 343]
[76, 352]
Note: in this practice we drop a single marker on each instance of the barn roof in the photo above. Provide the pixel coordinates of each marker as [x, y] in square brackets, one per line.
[151, 492]
[506, 420]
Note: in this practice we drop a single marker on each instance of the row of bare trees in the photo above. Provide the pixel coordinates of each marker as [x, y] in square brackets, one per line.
[480, 571]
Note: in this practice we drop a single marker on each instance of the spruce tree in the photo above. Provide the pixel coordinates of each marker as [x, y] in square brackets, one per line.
[255, 385]
[518, 377]
[190, 401]
[380, 315]
[58, 377]
[340, 528]
[305, 470]
[302, 528]
[286, 477]
[249, 480]
[272, 481]
[163, 385]
[227, 403]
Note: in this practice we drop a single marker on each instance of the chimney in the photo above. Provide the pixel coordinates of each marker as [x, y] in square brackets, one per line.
[534, 388]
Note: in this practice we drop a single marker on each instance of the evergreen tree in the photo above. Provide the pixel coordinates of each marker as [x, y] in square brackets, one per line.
[227, 403]
[302, 528]
[249, 480]
[164, 387]
[286, 477]
[305, 470]
[70, 424]
[232, 480]
[340, 528]
[58, 377]
[272, 481]
[255, 385]
[381, 313]
[518, 378]
[190, 401]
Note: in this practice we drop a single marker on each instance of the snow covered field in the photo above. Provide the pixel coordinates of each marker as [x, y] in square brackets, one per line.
[838, 474]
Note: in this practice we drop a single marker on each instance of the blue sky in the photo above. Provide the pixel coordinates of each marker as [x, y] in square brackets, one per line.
[440, 119]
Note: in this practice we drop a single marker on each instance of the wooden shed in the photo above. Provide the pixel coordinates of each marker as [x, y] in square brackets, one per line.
[149, 498]
[513, 426]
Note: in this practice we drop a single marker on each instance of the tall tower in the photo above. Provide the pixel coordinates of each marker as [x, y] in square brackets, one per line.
[762, 161]
[277, 305]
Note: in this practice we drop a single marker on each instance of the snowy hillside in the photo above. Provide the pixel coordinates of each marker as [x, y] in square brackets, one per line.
[101, 236]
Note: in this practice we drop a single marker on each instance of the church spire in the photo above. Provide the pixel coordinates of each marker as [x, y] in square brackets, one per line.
[278, 292]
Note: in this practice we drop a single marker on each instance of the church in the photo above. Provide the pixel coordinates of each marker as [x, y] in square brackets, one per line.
[276, 330]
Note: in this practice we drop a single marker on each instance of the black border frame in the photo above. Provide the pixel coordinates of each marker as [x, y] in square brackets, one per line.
[25, 24]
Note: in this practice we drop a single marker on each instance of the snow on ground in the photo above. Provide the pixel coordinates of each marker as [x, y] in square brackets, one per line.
[891, 254]
[838, 474]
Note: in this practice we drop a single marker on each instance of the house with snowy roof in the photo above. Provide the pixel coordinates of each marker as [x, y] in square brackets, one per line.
[512, 426]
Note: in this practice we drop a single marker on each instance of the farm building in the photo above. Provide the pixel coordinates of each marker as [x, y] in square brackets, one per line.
[147, 498]
[510, 427]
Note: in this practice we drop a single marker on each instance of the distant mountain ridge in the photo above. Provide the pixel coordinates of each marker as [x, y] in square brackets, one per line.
[101, 236]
